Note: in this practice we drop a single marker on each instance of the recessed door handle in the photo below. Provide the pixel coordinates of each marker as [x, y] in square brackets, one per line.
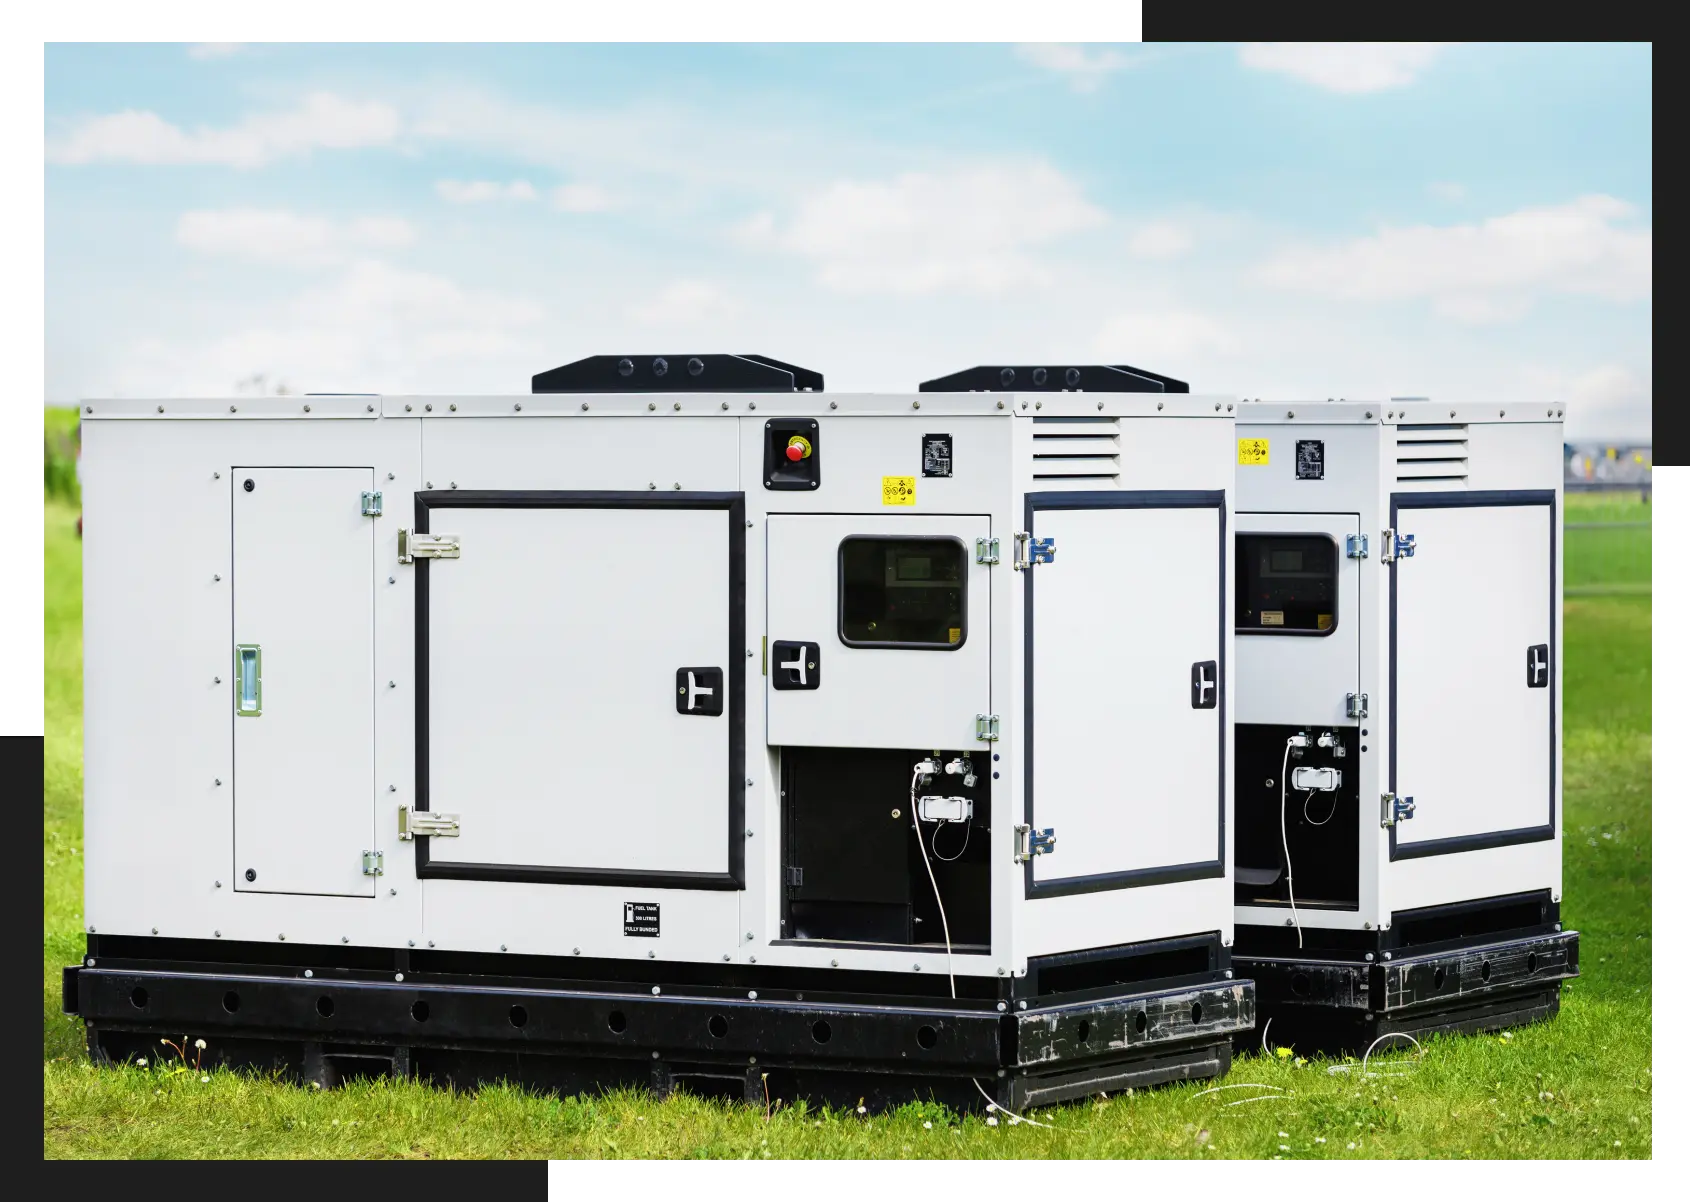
[249, 681]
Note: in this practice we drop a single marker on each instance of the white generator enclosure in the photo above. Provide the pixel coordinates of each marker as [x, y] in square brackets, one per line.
[664, 723]
[1397, 747]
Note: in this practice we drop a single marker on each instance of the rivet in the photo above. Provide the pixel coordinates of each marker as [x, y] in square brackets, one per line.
[218, 781]
[408, 408]
[753, 960]
[726, 957]
[501, 947]
[393, 893]
[1387, 955]
[1021, 1005]
[390, 580]
[1000, 405]
[576, 952]
[835, 963]
[282, 937]
[677, 406]
[453, 483]
[1368, 414]
[214, 935]
[749, 653]
[677, 486]
[1369, 957]
[308, 408]
[155, 930]
[161, 408]
[398, 976]
[1000, 972]
[751, 996]
[88, 409]
[1217, 406]
[217, 884]
[1549, 413]
[1158, 405]
[1041, 405]
[1229, 408]
[431, 943]
[583, 406]
[749, 833]
[1023, 404]
[752, 405]
[518, 406]
[1002, 1006]
[1289, 413]
[918, 968]
[216, 576]
[1229, 974]
[1502, 413]
[410, 943]
[724, 405]
[651, 406]
[748, 935]
[656, 990]
[1100, 406]
[392, 685]
[344, 939]
[653, 484]
[429, 408]
[216, 475]
[390, 475]
[915, 404]
[231, 409]
[651, 955]
[90, 930]
[216, 680]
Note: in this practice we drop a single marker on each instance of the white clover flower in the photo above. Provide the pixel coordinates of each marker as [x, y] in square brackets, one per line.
[205, 1080]
[928, 1126]
[991, 1120]
[142, 1062]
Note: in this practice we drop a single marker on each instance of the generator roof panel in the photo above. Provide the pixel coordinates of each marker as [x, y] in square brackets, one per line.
[1394, 412]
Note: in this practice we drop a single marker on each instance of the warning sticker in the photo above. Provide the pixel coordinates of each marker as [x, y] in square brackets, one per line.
[1311, 459]
[956, 634]
[1323, 622]
[1273, 617]
[897, 490]
[1252, 452]
[642, 918]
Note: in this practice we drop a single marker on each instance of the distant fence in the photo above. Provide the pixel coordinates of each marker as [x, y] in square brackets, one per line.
[1607, 536]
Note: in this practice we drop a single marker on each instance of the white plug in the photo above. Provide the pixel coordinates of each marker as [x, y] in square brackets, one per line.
[1298, 740]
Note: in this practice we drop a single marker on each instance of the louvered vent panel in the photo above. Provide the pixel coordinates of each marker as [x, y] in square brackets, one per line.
[1077, 452]
[1432, 454]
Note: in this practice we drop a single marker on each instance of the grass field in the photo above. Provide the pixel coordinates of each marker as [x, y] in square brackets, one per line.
[1578, 1087]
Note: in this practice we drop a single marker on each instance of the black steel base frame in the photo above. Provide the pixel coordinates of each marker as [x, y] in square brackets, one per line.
[321, 1014]
[1449, 969]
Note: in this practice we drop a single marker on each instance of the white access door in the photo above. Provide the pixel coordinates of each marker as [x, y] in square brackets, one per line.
[303, 669]
[581, 709]
[1126, 713]
[892, 616]
[1473, 649]
[1297, 615]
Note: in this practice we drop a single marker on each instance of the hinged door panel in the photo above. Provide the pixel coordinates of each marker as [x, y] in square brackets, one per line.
[879, 631]
[1297, 615]
[1126, 688]
[302, 665]
[582, 708]
[1473, 646]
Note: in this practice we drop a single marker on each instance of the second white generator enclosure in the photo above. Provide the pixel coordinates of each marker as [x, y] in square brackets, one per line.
[677, 723]
[1398, 717]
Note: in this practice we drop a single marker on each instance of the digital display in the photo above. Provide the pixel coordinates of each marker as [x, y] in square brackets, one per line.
[911, 567]
[1285, 561]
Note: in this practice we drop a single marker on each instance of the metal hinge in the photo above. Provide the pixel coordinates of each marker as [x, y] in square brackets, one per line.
[413, 546]
[372, 863]
[414, 824]
[1355, 546]
[1030, 551]
[1030, 842]
[1355, 705]
[986, 550]
[1395, 546]
[986, 728]
[370, 504]
[1394, 809]
[795, 877]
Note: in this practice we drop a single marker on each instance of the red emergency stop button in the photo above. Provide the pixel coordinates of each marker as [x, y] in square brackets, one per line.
[797, 447]
[794, 452]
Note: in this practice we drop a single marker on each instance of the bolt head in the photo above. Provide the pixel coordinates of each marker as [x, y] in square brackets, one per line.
[656, 990]
[1369, 957]
[308, 972]
[1002, 1006]
[501, 947]
[398, 976]
[752, 995]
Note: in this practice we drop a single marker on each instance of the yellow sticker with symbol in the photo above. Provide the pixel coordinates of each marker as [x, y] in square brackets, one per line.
[897, 490]
[1252, 452]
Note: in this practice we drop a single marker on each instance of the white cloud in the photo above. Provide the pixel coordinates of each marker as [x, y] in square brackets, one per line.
[1447, 191]
[1160, 240]
[209, 50]
[581, 198]
[372, 328]
[463, 192]
[1351, 67]
[322, 121]
[287, 238]
[1142, 337]
[1487, 272]
[1085, 68]
[972, 230]
[685, 303]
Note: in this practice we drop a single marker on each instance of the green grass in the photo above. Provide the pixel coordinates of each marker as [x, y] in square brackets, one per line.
[1609, 557]
[1577, 1087]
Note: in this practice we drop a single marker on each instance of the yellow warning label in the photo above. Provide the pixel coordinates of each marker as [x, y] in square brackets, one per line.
[1324, 621]
[1252, 452]
[897, 490]
[956, 634]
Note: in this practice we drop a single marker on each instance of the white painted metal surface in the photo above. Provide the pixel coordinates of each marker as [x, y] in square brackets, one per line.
[1125, 770]
[553, 646]
[873, 696]
[304, 785]
[1285, 679]
[1473, 741]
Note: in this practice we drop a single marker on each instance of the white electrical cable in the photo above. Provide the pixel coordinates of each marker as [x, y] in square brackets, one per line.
[1285, 840]
[944, 923]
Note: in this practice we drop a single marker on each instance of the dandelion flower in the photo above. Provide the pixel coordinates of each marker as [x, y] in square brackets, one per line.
[1282, 1053]
[200, 1044]
[862, 1110]
[991, 1120]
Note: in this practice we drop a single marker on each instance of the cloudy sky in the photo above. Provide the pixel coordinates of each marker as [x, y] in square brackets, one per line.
[1284, 221]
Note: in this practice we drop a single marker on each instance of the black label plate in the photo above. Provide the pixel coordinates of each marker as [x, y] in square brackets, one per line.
[1311, 459]
[642, 918]
[935, 454]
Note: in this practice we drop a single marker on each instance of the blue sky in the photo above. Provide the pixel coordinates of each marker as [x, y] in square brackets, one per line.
[1468, 222]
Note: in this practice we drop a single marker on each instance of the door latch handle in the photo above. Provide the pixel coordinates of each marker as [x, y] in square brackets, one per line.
[249, 681]
[1205, 685]
[1537, 666]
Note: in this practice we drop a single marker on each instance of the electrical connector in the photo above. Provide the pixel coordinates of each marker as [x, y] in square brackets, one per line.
[1299, 740]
